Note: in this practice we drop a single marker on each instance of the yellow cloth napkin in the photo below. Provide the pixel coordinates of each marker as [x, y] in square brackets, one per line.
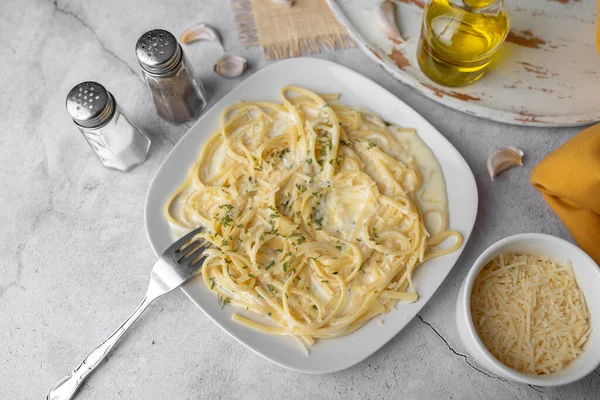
[569, 179]
[283, 32]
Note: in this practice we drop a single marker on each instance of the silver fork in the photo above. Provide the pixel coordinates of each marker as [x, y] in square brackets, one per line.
[178, 263]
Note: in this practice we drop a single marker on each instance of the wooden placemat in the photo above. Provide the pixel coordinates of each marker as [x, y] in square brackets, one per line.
[283, 32]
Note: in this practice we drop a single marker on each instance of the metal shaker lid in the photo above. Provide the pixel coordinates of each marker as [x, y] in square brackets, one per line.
[90, 104]
[158, 51]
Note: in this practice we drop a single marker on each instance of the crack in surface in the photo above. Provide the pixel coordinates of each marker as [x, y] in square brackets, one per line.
[21, 248]
[49, 209]
[71, 14]
[17, 280]
[463, 356]
[597, 373]
[43, 167]
[186, 125]
[539, 392]
[469, 362]
[166, 137]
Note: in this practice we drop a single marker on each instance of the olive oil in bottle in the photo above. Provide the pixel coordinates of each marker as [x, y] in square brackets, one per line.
[459, 39]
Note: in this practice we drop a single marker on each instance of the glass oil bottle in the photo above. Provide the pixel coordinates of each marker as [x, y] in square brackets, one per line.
[459, 39]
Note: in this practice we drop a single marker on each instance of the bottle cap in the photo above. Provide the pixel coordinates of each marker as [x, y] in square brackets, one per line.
[90, 104]
[158, 51]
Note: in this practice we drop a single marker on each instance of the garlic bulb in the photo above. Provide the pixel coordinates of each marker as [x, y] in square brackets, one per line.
[504, 158]
[386, 21]
[230, 66]
[201, 32]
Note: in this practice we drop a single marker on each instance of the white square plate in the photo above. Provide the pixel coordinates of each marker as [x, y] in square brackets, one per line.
[327, 355]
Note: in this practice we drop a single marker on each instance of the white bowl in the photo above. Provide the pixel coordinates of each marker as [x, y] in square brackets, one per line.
[587, 274]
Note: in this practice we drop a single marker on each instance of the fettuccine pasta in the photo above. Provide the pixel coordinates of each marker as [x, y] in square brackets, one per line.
[316, 213]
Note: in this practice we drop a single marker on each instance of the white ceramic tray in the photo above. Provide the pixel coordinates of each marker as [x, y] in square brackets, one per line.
[325, 77]
[547, 73]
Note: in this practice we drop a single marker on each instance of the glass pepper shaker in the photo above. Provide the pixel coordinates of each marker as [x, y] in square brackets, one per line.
[116, 141]
[177, 95]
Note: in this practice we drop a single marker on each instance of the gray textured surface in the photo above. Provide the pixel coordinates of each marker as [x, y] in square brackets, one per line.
[74, 256]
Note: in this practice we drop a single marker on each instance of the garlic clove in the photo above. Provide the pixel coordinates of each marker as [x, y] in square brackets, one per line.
[287, 3]
[201, 32]
[504, 158]
[386, 21]
[230, 66]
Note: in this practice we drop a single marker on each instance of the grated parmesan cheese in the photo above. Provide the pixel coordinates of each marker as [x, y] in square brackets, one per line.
[530, 313]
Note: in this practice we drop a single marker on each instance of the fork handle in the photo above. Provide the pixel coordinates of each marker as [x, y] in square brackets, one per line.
[65, 388]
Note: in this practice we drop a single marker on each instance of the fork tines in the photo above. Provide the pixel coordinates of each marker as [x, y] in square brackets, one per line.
[180, 243]
[189, 253]
[186, 249]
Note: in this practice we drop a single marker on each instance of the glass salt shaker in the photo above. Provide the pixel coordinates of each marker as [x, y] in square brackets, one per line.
[116, 141]
[177, 95]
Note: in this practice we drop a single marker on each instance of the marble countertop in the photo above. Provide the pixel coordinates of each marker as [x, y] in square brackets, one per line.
[74, 255]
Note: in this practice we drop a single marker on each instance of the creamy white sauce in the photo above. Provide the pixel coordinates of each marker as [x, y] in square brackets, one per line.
[432, 193]
[431, 196]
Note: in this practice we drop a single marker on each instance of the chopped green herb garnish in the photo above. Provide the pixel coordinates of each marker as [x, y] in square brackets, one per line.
[315, 307]
[319, 221]
[223, 301]
[283, 152]
[371, 145]
[212, 283]
[270, 265]
[301, 188]
[226, 219]
[226, 301]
